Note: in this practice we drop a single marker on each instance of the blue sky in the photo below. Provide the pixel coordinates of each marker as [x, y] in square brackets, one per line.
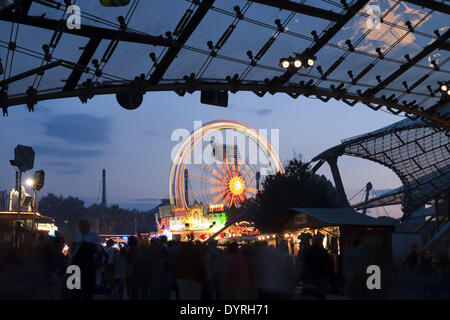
[75, 141]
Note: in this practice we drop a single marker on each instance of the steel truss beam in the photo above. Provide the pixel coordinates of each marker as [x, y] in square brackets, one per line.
[431, 4]
[85, 57]
[405, 67]
[172, 53]
[30, 72]
[327, 36]
[259, 88]
[89, 31]
[302, 8]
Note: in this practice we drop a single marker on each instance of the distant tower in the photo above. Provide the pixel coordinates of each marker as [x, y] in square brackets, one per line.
[235, 154]
[103, 188]
[366, 201]
[186, 186]
[258, 178]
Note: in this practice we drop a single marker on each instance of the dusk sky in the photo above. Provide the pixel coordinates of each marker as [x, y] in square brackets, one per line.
[75, 141]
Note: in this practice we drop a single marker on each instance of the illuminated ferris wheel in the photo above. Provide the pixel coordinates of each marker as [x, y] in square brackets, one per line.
[221, 164]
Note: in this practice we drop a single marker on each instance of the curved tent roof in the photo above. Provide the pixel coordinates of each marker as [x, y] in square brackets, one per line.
[390, 54]
[418, 153]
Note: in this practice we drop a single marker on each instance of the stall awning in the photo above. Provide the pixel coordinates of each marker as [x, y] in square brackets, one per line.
[341, 216]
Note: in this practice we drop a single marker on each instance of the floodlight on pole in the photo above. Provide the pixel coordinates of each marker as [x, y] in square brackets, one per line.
[29, 182]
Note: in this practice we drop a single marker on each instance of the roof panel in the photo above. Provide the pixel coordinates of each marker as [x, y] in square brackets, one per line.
[342, 216]
[197, 22]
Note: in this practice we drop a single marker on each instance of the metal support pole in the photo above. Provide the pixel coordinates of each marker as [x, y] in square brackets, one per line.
[18, 227]
[338, 181]
[34, 209]
[366, 201]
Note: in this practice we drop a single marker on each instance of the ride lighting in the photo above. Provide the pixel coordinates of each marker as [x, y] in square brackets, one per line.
[310, 62]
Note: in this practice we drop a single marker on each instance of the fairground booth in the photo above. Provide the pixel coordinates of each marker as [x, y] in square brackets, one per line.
[341, 228]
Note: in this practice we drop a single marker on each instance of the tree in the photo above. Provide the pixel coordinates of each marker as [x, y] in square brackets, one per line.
[298, 187]
[110, 220]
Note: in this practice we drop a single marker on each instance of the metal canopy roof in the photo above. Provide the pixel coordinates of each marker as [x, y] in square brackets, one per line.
[229, 45]
[418, 153]
[342, 216]
[390, 198]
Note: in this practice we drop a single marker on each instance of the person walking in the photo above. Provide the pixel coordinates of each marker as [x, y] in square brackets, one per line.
[317, 269]
[86, 256]
[120, 272]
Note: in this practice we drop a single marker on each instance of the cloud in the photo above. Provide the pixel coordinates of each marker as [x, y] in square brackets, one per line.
[152, 200]
[63, 164]
[67, 168]
[383, 35]
[263, 112]
[52, 150]
[71, 172]
[153, 133]
[79, 128]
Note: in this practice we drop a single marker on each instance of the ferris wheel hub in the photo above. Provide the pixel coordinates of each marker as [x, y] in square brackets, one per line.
[236, 185]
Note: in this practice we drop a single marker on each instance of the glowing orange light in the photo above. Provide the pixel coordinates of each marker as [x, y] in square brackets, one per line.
[236, 185]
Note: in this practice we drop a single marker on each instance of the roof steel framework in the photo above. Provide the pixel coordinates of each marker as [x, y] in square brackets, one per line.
[184, 46]
[418, 153]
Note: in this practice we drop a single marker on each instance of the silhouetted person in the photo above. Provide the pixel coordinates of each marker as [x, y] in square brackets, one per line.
[86, 256]
[120, 271]
[355, 285]
[189, 271]
[276, 277]
[413, 259]
[108, 265]
[317, 269]
[132, 281]
[59, 265]
[235, 275]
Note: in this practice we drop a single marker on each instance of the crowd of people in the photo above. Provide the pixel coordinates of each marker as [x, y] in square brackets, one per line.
[423, 269]
[158, 269]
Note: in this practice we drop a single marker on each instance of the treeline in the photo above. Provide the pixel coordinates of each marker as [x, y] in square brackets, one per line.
[107, 220]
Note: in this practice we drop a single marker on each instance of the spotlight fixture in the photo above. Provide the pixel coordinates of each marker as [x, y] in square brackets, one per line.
[444, 86]
[285, 63]
[298, 63]
[29, 182]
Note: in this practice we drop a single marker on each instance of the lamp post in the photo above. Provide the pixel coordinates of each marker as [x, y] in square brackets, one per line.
[65, 227]
[31, 183]
[24, 161]
[18, 226]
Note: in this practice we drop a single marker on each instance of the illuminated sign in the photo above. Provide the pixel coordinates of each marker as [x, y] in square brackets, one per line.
[243, 231]
[213, 208]
[300, 218]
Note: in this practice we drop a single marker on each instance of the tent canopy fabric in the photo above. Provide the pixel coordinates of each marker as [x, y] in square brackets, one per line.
[342, 216]
[388, 54]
